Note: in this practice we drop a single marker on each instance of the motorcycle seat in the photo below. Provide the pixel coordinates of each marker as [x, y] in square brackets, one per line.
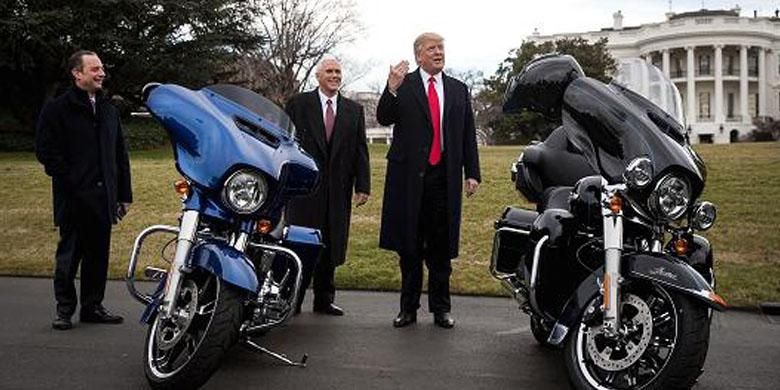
[556, 198]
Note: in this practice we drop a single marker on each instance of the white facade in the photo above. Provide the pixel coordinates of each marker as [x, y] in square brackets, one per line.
[726, 67]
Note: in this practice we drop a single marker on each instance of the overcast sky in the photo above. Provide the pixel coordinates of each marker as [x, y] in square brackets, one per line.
[479, 33]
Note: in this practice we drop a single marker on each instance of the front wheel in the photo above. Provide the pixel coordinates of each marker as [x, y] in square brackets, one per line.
[662, 343]
[185, 351]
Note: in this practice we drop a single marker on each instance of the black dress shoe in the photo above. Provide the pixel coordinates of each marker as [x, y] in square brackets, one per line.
[443, 320]
[100, 315]
[404, 318]
[62, 323]
[330, 309]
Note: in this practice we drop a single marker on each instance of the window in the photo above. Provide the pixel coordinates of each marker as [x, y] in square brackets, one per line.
[704, 105]
[730, 68]
[704, 65]
[730, 105]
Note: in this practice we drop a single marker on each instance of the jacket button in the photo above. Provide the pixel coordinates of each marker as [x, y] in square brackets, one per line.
[422, 173]
[100, 184]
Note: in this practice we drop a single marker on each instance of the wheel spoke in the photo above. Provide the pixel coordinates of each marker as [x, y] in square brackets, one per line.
[662, 319]
[207, 308]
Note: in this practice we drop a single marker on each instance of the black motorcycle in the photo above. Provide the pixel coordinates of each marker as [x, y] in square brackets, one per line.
[608, 266]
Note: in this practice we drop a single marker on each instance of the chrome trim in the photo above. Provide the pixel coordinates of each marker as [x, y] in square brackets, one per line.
[534, 272]
[558, 334]
[240, 241]
[139, 240]
[187, 232]
[248, 329]
[535, 264]
[511, 282]
[613, 250]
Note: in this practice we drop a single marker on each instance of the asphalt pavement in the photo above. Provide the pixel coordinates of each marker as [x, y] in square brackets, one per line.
[491, 347]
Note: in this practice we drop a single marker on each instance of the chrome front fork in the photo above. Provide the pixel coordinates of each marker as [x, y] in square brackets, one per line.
[184, 243]
[612, 214]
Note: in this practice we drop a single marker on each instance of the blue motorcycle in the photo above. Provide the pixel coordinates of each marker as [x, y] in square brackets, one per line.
[237, 265]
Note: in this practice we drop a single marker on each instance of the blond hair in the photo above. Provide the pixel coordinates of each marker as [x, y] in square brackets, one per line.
[425, 37]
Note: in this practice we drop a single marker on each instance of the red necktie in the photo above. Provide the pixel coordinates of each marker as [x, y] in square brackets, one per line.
[433, 104]
[330, 119]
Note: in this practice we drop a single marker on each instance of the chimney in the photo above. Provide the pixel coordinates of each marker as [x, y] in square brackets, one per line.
[617, 19]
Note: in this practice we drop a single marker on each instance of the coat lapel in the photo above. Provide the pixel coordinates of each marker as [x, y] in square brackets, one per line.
[317, 123]
[419, 92]
[339, 126]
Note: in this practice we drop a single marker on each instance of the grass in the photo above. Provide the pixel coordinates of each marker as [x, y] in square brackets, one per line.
[743, 182]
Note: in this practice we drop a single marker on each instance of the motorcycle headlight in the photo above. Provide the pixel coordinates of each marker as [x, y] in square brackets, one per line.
[639, 173]
[244, 191]
[703, 216]
[670, 198]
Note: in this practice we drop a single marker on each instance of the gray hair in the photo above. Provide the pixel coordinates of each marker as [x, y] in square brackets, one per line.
[325, 60]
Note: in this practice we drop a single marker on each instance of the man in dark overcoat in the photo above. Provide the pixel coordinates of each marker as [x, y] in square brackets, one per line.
[331, 128]
[433, 154]
[80, 143]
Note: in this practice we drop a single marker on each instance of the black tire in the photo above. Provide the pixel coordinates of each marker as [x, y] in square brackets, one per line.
[217, 333]
[681, 365]
[541, 331]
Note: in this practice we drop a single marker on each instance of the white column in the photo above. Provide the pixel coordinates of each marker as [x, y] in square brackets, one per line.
[665, 62]
[761, 81]
[649, 58]
[691, 83]
[719, 84]
[743, 84]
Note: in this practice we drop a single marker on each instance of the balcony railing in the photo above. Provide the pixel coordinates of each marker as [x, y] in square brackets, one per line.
[677, 73]
[704, 72]
[705, 118]
[752, 72]
[734, 118]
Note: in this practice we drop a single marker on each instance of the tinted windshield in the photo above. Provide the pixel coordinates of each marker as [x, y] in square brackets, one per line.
[266, 109]
[650, 82]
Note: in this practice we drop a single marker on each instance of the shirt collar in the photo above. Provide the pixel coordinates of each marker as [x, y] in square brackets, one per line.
[425, 76]
[324, 98]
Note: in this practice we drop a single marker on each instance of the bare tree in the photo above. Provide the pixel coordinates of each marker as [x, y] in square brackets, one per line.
[299, 34]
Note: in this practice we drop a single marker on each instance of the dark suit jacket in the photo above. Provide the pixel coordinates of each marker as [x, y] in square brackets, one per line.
[407, 158]
[78, 149]
[343, 166]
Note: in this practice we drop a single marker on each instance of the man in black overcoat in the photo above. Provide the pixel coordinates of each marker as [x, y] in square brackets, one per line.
[80, 143]
[332, 129]
[434, 150]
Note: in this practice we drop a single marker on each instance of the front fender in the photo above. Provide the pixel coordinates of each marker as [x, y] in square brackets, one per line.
[227, 263]
[665, 270]
[673, 273]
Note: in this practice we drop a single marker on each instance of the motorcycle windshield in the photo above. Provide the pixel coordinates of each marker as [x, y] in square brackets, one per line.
[613, 124]
[221, 128]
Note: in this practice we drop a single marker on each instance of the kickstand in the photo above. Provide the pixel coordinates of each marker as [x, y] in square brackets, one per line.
[260, 349]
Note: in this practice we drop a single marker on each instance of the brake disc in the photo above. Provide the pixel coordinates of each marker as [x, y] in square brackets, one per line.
[171, 330]
[626, 349]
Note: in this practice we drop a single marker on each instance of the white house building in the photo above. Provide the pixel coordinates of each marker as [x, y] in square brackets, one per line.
[727, 67]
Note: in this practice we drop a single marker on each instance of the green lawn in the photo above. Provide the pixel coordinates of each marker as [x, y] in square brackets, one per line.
[744, 180]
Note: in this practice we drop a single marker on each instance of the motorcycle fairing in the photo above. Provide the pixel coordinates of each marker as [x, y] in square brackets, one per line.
[610, 130]
[659, 268]
[213, 134]
[227, 263]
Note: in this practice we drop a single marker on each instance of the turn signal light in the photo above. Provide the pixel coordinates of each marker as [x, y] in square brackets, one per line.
[616, 204]
[681, 246]
[606, 287]
[182, 188]
[264, 226]
[718, 299]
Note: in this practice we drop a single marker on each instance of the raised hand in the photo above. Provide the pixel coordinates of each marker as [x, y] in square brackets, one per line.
[397, 74]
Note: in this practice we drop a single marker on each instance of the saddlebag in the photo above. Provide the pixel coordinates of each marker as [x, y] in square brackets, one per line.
[511, 239]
